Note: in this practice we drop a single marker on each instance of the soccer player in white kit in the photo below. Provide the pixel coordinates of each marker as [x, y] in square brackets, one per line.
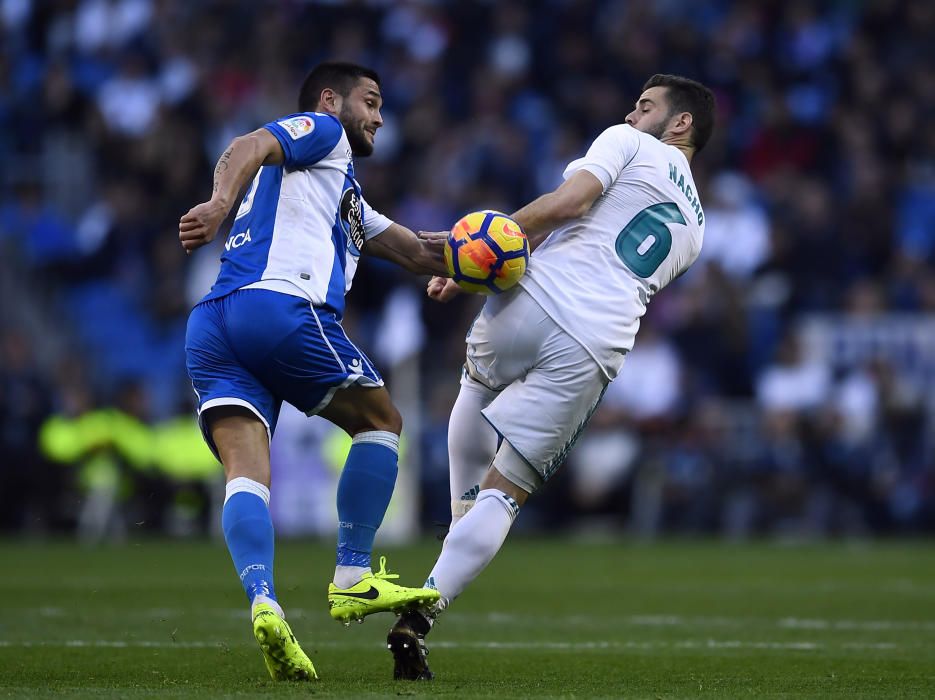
[626, 221]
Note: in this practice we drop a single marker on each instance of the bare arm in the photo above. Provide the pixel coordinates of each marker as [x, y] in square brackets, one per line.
[235, 168]
[570, 201]
[538, 219]
[420, 255]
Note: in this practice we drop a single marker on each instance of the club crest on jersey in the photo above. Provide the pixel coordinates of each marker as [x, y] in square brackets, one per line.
[297, 127]
[352, 220]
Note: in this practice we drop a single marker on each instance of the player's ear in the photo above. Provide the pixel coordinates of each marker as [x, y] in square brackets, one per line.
[681, 123]
[329, 101]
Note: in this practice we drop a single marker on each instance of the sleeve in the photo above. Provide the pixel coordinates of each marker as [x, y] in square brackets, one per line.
[306, 138]
[374, 222]
[608, 155]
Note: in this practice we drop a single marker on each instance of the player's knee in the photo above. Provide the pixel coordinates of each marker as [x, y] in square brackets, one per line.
[241, 440]
[383, 417]
[511, 475]
[389, 419]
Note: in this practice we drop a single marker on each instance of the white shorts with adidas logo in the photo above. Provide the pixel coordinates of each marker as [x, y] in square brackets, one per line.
[548, 385]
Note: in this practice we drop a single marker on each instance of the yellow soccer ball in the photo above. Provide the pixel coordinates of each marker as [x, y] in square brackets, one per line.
[486, 252]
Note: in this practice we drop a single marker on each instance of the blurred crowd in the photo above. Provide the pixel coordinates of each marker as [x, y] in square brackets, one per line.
[782, 386]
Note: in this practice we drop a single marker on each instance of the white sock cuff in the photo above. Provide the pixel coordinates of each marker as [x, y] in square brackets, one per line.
[244, 485]
[277, 608]
[508, 502]
[378, 437]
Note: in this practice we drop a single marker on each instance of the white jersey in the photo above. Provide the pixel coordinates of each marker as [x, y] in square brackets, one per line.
[595, 275]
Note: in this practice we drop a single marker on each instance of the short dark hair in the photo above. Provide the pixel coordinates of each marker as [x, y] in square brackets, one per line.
[339, 76]
[687, 95]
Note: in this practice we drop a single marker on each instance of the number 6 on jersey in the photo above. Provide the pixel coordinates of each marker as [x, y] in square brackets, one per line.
[646, 241]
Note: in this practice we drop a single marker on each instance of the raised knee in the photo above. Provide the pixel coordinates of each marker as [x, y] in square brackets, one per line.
[386, 419]
[390, 420]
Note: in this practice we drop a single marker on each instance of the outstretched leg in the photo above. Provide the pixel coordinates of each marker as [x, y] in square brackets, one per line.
[475, 540]
[364, 492]
[470, 546]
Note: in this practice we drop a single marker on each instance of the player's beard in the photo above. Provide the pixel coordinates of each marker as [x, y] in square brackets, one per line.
[356, 135]
[659, 129]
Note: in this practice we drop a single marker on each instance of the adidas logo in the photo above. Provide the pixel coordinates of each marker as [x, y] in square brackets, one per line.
[471, 493]
[514, 507]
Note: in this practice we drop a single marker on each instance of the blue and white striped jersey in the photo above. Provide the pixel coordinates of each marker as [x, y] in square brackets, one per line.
[301, 225]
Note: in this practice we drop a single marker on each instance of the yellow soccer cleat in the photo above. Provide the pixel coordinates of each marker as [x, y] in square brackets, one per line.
[284, 658]
[374, 593]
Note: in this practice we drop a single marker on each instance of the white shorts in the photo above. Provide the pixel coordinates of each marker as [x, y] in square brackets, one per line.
[548, 385]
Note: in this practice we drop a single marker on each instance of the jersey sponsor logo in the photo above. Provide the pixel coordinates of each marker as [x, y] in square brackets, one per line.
[238, 239]
[297, 127]
[352, 220]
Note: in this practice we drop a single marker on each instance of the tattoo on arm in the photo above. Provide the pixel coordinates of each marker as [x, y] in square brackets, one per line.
[222, 166]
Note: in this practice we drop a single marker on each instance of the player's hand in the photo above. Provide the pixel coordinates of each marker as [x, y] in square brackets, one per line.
[200, 225]
[434, 238]
[434, 243]
[442, 289]
[433, 252]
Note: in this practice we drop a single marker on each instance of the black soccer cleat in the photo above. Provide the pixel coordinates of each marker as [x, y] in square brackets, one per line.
[406, 641]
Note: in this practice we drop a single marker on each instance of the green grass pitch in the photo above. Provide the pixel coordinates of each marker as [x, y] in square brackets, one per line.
[548, 619]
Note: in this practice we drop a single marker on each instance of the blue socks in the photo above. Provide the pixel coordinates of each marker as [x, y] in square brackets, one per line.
[248, 531]
[364, 493]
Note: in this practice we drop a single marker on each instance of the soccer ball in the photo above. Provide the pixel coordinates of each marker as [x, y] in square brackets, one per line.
[486, 252]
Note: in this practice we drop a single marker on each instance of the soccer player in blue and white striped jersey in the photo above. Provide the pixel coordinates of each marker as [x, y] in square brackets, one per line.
[270, 331]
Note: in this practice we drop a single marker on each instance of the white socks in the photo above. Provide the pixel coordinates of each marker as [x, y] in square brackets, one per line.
[472, 444]
[347, 576]
[471, 544]
[277, 608]
[242, 484]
